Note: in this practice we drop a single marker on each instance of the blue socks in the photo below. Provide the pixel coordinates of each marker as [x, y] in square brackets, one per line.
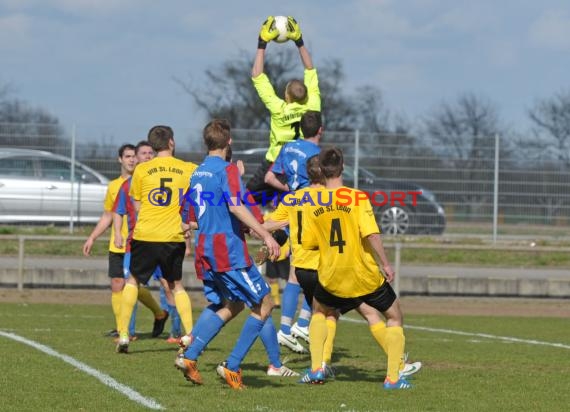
[289, 302]
[132, 323]
[305, 315]
[249, 333]
[268, 336]
[204, 335]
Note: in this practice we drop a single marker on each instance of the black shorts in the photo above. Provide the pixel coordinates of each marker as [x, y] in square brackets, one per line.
[116, 265]
[146, 256]
[277, 270]
[308, 279]
[261, 191]
[381, 299]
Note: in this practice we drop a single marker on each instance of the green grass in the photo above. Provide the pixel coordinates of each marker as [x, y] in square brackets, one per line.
[425, 255]
[460, 372]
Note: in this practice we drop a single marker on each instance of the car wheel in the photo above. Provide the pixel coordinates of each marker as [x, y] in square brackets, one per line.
[396, 220]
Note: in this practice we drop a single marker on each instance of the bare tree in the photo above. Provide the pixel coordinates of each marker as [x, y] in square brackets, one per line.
[22, 125]
[551, 131]
[227, 92]
[463, 133]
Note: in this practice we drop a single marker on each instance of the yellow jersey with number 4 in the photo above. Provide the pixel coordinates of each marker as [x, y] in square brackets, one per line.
[338, 227]
[159, 185]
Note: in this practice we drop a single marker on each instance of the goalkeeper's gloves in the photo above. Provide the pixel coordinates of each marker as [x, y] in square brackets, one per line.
[267, 32]
[294, 31]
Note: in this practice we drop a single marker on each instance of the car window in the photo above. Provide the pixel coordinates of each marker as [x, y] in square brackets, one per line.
[85, 175]
[52, 169]
[17, 167]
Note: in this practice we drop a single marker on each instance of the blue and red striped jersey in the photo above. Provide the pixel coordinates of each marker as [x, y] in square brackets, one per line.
[220, 242]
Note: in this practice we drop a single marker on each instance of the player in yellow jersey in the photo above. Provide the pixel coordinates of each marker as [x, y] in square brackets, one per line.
[306, 263]
[286, 113]
[343, 228]
[157, 188]
[127, 160]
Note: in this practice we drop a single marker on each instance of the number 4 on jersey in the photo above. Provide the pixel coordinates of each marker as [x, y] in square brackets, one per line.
[336, 235]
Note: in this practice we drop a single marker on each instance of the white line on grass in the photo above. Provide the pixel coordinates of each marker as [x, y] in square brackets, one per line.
[104, 378]
[480, 335]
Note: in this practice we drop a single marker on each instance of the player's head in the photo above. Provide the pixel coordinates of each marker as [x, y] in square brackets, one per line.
[127, 157]
[311, 124]
[161, 138]
[331, 161]
[217, 134]
[296, 92]
[143, 151]
[314, 171]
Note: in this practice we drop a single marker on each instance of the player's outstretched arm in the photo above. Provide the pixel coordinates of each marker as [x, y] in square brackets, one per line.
[271, 179]
[375, 242]
[244, 215]
[104, 222]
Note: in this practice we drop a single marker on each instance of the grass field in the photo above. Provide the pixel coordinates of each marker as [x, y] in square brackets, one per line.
[466, 372]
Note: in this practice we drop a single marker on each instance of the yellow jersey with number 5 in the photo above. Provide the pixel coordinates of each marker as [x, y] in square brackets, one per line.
[338, 226]
[159, 185]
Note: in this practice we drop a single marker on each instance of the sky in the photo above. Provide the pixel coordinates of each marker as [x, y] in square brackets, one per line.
[108, 66]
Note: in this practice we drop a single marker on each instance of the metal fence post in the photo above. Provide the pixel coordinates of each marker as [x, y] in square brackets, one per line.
[356, 156]
[72, 179]
[496, 191]
[397, 258]
[21, 240]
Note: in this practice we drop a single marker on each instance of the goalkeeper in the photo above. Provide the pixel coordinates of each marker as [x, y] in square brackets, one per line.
[300, 96]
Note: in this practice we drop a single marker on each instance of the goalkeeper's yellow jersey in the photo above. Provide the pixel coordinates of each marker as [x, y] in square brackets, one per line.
[112, 192]
[338, 226]
[291, 210]
[159, 185]
[286, 117]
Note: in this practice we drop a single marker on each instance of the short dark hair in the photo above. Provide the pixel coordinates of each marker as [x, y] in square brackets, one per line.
[216, 134]
[126, 146]
[140, 144]
[159, 137]
[297, 91]
[314, 171]
[311, 122]
[331, 161]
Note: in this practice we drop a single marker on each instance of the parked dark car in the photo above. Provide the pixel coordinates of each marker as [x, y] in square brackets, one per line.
[398, 215]
[35, 186]
[394, 206]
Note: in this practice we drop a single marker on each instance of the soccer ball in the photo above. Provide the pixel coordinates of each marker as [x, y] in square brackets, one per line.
[280, 23]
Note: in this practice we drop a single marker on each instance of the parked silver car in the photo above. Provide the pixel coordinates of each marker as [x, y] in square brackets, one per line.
[35, 186]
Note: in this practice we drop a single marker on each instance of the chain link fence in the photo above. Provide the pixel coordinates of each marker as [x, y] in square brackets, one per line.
[475, 191]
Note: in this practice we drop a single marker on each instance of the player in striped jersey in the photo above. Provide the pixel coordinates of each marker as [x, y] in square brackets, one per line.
[222, 255]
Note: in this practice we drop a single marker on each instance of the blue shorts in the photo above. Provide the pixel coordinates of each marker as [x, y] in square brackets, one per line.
[156, 275]
[242, 285]
[210, 291]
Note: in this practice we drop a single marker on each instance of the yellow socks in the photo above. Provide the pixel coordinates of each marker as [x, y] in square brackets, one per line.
[378, 331]
[395, 343]
[275, 296]
[329, 341]
[318, 333]
[116, 305]
[184, 308]
[128, 301]
[146, 298]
